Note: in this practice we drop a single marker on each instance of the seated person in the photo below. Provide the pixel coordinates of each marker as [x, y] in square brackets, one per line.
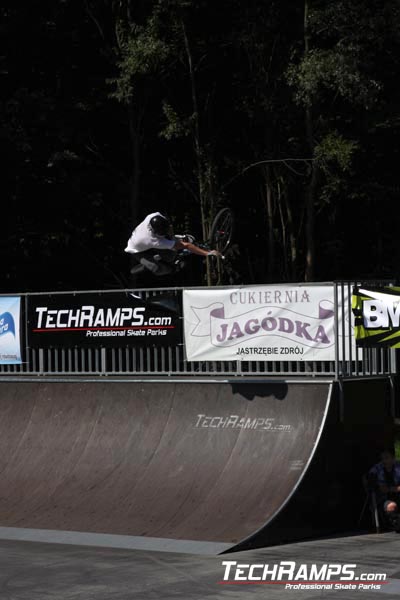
[153, 245]
[385, 476]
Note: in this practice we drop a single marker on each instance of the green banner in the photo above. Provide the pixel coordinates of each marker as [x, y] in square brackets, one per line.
[377, 316]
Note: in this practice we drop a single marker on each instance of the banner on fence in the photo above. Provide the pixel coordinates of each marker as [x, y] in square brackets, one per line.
[284, 322]
[377, 316]
[110, 319]
[10, 342]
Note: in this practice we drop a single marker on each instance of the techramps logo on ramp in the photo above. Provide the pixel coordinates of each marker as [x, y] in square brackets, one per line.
[239, 422]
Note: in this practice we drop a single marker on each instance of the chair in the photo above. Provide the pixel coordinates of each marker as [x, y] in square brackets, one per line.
[371, 502]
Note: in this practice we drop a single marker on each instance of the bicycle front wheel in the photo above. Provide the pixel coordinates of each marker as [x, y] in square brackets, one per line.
[222, 230]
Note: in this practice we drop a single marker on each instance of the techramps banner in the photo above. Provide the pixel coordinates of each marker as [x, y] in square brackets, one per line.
[98, 319]
[377, 316]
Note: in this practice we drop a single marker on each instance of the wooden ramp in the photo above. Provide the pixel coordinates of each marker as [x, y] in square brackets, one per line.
[204, 462]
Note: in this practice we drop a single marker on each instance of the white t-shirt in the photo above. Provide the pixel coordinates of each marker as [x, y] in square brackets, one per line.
[143, 238]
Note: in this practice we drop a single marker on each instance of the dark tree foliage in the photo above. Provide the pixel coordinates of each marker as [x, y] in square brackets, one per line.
[286, 112]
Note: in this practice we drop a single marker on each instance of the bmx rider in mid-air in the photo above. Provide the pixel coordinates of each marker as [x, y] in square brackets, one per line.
[154, 246]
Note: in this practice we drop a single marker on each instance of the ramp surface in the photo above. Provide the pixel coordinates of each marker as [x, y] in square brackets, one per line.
[186, 461]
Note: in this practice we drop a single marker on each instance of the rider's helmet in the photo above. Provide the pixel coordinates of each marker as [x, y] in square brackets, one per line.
[160, 225]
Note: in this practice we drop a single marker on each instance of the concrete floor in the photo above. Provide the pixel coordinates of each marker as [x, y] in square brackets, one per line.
[43, 571]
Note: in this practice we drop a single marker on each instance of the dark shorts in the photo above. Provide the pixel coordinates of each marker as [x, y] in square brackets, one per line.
[158, 262]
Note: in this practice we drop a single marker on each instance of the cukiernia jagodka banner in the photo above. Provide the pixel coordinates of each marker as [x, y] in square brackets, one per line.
[283, 322]
[377, 316]
[10, 343]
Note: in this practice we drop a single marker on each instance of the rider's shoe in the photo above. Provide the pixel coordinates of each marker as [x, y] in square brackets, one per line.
[179, 265]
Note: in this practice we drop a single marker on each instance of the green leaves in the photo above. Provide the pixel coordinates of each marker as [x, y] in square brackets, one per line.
[142, 54]
[337, 71]
[335, 149]
[176, 126]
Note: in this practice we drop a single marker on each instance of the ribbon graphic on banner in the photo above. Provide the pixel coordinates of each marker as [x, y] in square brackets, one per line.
[7, 324]
[274, 320]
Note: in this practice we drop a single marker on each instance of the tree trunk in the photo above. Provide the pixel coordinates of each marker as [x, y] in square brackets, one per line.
[312, 186]
[205, 210]
[310, 225]
[292, 244]
[289, 241]
[270, 224]
[134, 121]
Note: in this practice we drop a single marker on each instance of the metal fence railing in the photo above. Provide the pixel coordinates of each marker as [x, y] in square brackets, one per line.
[144, 361]
[350, 360]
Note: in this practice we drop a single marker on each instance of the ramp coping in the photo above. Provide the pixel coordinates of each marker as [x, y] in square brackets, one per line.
[162, 379]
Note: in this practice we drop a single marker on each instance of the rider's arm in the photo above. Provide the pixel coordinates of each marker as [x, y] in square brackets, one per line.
[181, 245]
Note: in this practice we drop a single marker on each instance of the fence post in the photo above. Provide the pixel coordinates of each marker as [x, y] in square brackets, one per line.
[103, 361]
[41, 361]
[26, 366]
[336, 328]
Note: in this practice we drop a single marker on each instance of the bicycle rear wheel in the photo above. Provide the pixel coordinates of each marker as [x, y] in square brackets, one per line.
[222, 230]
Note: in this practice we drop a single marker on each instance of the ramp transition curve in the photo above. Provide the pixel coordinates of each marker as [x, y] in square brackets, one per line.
[188, 461]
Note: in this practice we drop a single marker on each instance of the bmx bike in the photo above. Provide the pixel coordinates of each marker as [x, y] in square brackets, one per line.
[221, 234]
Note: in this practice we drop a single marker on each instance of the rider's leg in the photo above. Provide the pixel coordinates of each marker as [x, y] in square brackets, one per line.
[167, 261]
[157, 268]
[158, 262]
[150, 265]
[143, 260]
[165, 256]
